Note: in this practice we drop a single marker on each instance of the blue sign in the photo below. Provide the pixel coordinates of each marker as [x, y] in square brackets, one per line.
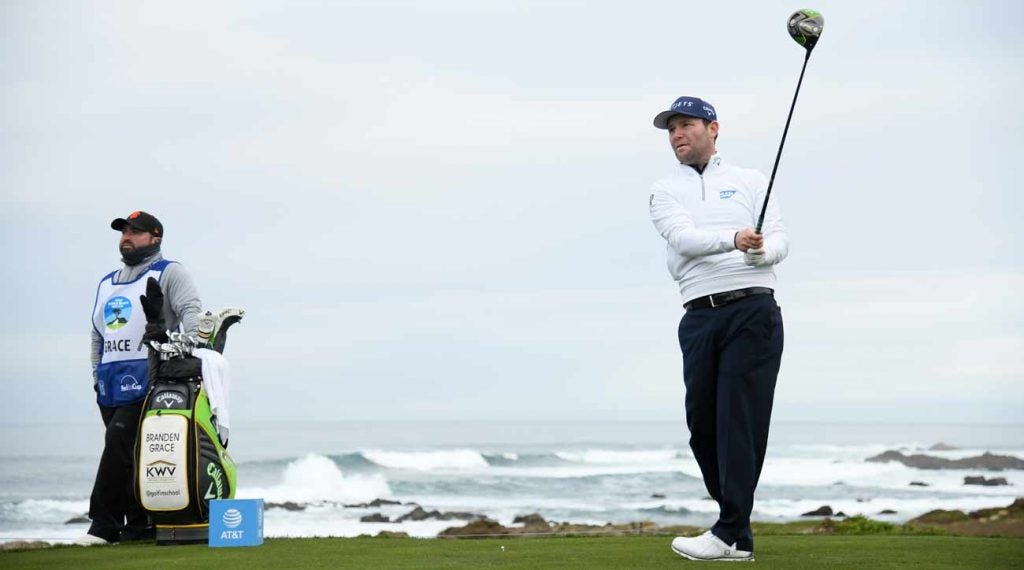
[236, 522]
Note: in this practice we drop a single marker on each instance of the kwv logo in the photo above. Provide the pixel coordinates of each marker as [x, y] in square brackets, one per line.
[160, 469]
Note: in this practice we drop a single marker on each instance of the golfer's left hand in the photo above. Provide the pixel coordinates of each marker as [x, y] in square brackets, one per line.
[754, 258]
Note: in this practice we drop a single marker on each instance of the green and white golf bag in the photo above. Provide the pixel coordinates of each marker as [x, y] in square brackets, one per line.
[181, 459]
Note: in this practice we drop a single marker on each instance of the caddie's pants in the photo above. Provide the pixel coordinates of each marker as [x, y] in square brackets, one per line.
[731, 358]
[116, 514]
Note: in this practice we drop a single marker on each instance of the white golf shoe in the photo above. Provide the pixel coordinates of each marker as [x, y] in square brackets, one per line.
[89, 540]
[709, 547]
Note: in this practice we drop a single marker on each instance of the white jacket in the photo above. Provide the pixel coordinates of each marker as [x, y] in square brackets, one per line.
[699, 215]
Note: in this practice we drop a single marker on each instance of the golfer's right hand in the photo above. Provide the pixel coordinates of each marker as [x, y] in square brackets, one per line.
[747, 239]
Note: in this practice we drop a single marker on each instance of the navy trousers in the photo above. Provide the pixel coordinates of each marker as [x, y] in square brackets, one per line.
[731, 358]
[116, 514]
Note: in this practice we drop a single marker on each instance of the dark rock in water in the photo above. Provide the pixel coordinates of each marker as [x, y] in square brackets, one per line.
[942, 447]
[78, 520]
[418, 514]
[461, 516]
[392, 534]
[288, 506]
[987, 461]
[481, 528]
[823, 511]
[531, 520]
[887, 512]
[375, 517]
[918, 484]
[840, 514]
[981, 480]
[373, 503]
[382, 502]
[657, 496]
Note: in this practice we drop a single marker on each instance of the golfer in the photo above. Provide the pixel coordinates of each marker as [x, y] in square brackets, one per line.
[731, 331]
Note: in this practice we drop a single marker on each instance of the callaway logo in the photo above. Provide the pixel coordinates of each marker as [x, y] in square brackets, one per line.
[726, 194]
[216, 489]
[170, 399]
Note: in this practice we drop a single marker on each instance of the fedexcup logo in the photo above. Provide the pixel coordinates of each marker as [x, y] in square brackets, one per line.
[232, 518]
[130, 384]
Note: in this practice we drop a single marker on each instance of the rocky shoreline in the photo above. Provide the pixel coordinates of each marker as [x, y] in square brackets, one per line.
[1000, 521]
[993, 522]
[986, 461]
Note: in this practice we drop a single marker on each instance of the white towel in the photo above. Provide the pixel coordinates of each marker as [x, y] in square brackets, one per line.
[217, 384]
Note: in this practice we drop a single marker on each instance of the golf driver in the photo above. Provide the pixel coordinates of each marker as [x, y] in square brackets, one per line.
[805, 28]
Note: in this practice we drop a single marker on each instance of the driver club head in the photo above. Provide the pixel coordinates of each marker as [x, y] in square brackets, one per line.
[805, 27]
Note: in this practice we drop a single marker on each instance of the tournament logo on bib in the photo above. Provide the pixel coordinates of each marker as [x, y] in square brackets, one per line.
[116, 313]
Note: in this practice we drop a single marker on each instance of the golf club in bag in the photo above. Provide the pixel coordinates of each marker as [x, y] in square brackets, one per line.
[805, 28]
[181, 458]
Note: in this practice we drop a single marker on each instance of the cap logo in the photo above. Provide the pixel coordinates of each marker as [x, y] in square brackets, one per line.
[134, 215]
[681, 104]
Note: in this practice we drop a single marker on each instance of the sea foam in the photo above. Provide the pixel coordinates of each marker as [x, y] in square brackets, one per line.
[435, 460]
[315, 478]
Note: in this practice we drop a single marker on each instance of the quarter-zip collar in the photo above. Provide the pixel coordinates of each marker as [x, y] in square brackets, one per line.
[714, 162]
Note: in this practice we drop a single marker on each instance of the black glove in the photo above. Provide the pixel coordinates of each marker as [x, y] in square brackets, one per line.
[152, 301]
[153, 307]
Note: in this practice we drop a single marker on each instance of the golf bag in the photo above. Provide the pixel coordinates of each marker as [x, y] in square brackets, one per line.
[181, 458]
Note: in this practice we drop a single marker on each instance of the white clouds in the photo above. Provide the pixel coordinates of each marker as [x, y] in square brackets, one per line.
[449, 197]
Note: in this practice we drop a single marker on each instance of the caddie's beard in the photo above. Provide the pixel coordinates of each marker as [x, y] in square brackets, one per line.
[133, 256]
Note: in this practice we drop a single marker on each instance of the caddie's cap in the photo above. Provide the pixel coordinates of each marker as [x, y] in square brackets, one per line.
[690, 106]
[141, 221]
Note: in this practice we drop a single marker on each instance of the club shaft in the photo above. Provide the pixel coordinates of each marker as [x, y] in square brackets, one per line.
[775, 168]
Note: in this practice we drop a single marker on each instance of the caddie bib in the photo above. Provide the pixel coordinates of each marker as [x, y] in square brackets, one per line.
[122, 375]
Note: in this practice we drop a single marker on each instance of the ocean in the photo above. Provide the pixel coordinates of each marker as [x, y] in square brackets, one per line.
[582, 472]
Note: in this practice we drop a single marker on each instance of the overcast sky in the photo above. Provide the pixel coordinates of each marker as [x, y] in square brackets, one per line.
[438, 209]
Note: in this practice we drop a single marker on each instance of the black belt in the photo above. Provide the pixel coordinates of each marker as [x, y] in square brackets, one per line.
[726, 297]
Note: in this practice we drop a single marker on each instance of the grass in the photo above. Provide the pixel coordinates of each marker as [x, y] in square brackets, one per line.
[646, 552]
